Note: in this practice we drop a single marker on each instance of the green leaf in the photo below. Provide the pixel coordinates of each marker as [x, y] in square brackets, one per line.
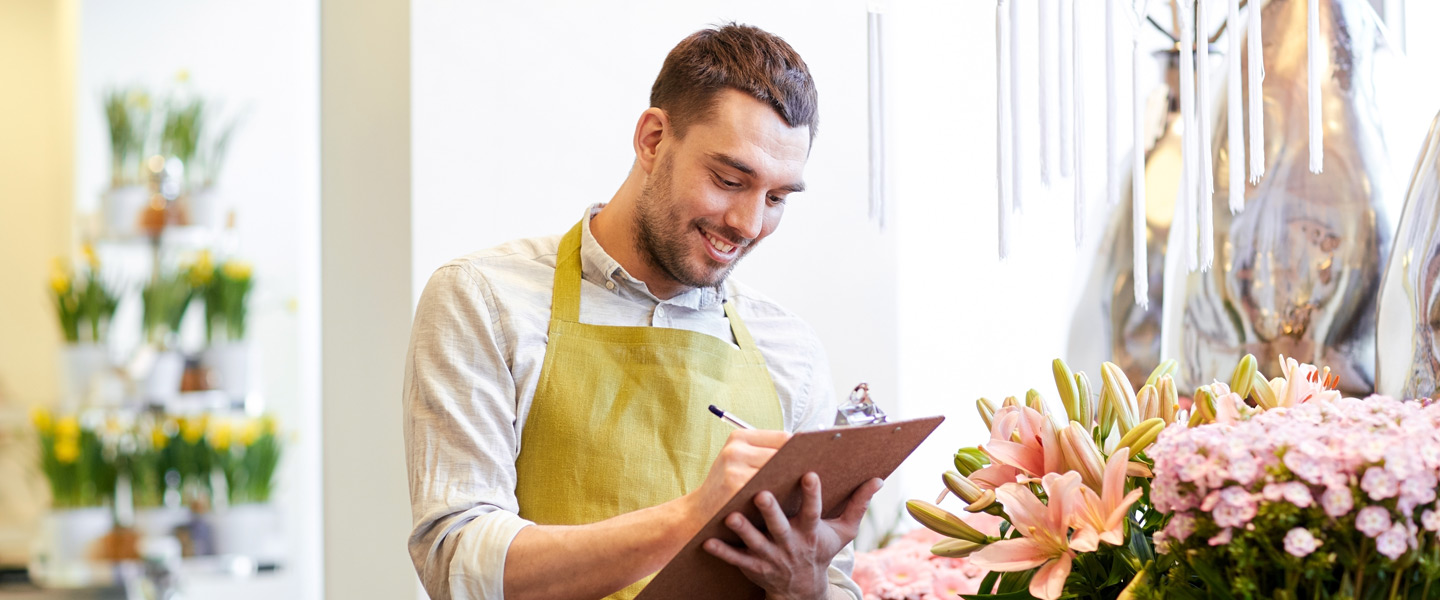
[1018, 581]
[987, 585]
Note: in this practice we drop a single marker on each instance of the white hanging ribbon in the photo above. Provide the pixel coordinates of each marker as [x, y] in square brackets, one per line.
[875, 29]
[1315, 68]
[1004, 131]
[1017, 147]
[1067, 87]
[1203, 140]
[1189, 147]
[1049, 98]
[1256, 72]
[1141, 278]
[1078, 66]
[1235, 113]
[1113, 165]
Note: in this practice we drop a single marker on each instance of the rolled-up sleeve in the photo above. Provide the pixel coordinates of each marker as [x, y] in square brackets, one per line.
[460, 439]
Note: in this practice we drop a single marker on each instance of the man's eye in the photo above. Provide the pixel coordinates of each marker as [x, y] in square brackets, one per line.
[777, 199]
[726, 182]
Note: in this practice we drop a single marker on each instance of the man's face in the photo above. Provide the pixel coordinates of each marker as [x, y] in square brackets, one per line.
[713, 195]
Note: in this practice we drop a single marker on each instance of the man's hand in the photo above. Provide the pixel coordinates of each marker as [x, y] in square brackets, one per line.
[744, 452]
[791, 562]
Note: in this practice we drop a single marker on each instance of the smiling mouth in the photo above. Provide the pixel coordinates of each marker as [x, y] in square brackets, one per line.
[722, 248]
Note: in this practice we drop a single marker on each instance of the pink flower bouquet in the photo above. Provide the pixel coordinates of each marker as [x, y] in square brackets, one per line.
[1334, 497]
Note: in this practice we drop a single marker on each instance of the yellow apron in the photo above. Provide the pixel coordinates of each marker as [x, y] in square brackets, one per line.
[620, 419]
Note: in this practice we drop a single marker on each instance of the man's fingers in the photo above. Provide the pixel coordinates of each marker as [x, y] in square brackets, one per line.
[734, 556]
[775, 518]
[810, 504]
[758, 544]
[855, 508]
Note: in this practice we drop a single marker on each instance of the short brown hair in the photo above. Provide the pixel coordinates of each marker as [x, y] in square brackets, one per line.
[739, 57]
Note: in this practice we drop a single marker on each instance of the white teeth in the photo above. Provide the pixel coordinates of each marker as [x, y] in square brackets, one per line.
[719, 243]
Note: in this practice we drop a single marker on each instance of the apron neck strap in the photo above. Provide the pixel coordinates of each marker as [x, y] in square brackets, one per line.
[565, 300]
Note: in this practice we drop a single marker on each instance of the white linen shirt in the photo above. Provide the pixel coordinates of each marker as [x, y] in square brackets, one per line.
[476, 349]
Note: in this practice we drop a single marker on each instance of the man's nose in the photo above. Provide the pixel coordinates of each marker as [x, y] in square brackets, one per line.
[747, 216]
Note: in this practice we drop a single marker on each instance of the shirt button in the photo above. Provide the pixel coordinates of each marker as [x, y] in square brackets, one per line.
[609, 285]
[659, 311]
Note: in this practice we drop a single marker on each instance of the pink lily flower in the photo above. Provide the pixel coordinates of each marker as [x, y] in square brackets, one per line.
[1045, 529]
[1302, 383]
[1101, 518]
[1022, 438]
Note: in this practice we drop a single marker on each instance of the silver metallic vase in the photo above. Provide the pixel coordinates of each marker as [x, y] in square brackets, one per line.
[1297, 271]
[1408, 357]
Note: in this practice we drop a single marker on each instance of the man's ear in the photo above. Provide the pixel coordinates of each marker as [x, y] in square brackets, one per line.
[652, 129]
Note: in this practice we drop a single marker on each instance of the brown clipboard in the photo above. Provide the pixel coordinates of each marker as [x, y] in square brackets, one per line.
[844, 458]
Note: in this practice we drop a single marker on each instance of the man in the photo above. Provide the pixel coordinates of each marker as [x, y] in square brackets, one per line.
[556, 391]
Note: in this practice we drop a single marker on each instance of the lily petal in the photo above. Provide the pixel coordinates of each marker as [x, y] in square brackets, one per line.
[1011, 555]
[1049, 582]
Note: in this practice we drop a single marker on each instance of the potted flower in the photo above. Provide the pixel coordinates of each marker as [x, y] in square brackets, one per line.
[246, 451]
[81, 473]
[150, 466]
[166, 298]
[226, 294]
[127, 115]
[84, 305]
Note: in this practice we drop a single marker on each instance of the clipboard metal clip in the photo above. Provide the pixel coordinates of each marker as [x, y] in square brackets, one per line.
[859, 409]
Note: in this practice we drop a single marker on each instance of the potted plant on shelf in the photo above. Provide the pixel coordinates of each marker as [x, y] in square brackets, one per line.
[81, 472]
[151, 468]
[84, 305]
[246, 451]
[226, 294]
[166, 298]
[127, 114]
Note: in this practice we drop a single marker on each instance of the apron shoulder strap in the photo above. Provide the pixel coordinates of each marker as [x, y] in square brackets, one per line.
[565, 300]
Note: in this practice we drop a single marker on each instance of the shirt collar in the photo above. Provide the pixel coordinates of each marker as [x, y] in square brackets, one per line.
[598, 267]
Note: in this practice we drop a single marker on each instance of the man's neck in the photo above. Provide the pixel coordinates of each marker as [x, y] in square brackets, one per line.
[614, 229]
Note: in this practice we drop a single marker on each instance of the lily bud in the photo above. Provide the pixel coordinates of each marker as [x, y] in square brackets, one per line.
[940, 521]
[1082, 455]
[1010, 401]
[1169, 399]
[1244, 376]
[1036, 402]
[1263, 393]
[970, 460]
[978, 498]
[1065, 385]
[1135, 469]
[1202, 410]
[1086, 400]
[1148, 399]
[987, 410]
[1117, 388]
[956, 548]
[1142, 435]
[1107, 415]
[1166, 367]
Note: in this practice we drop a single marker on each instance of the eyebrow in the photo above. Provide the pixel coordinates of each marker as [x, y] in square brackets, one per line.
[734, 163]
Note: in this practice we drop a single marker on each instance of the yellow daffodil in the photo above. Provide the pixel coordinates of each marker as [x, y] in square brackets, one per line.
[158, 439]
[92, 259]
[41, 418]
[182, 76]
[67, 427]
[192, 429]
[220, 435]
[202, 270]
[138, 99]
[237, 270]
[67, 450]
[249, 432]
[60, 283]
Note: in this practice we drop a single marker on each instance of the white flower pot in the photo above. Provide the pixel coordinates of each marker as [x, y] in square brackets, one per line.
[121, 207]
[68, 536]
[163, 382]
[229, 362]
[161, 521]
[247, 530]
[82, 364]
